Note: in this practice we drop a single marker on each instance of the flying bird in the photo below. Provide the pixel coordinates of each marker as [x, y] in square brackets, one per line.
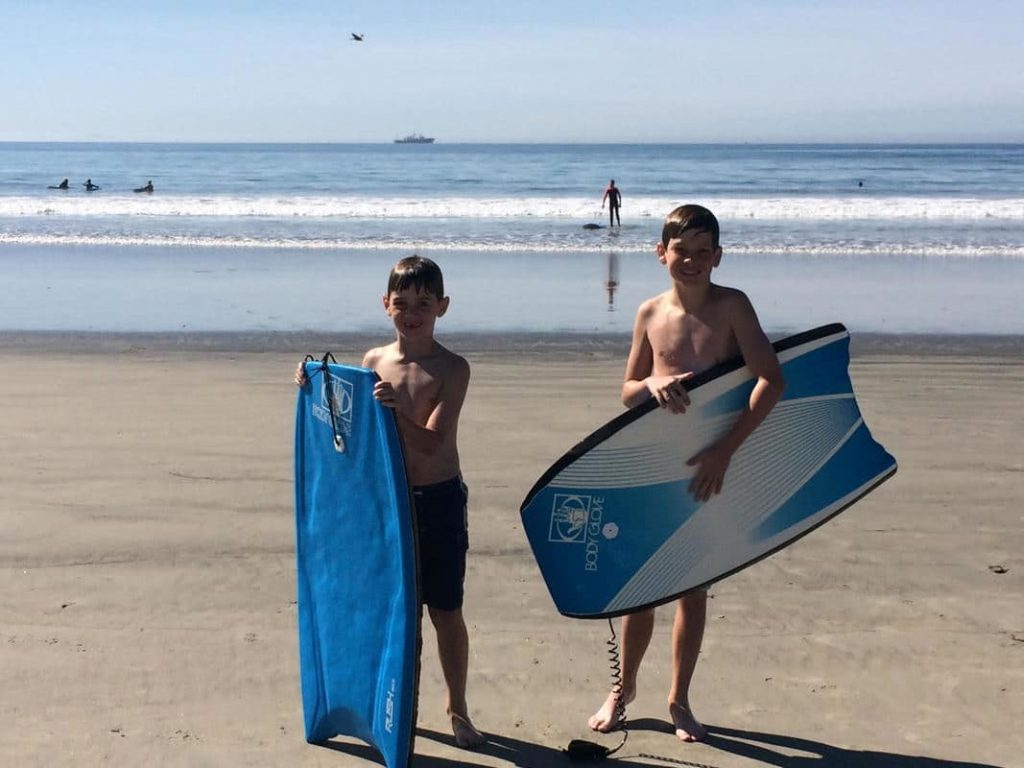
[357, 38]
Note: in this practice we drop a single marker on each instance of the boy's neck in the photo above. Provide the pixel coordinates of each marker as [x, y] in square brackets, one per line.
[691, 297]
[407, 348]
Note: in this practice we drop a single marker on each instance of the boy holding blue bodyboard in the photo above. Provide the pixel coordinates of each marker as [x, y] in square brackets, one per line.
[689, 328]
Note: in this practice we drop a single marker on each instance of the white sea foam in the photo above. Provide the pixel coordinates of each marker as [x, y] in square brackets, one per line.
[881, 250]
[809, 209]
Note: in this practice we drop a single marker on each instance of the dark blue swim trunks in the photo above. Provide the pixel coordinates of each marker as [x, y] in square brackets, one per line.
[443, 541]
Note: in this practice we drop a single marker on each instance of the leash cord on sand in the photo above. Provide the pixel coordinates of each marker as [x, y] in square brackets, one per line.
[589, 751]
[674, 760]
[614, 661]
[580, 750]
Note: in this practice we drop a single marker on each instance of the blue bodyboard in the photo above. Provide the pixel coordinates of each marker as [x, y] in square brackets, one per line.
[614, 528]
[358, 592]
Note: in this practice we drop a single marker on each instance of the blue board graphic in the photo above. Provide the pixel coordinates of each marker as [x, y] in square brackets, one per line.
[614, 528]
[358, 594]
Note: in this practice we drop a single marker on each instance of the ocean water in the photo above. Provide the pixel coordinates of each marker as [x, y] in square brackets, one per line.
[290, 237]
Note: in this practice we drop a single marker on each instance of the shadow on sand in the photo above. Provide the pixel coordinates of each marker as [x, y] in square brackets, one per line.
[517, 753]
[772, 749]
[767, 749]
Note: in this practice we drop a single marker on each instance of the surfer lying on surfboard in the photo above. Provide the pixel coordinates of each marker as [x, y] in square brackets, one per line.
[425, 384]
[693, 326]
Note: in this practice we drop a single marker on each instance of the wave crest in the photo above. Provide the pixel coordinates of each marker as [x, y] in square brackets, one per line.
[944, 250]
[766, 208]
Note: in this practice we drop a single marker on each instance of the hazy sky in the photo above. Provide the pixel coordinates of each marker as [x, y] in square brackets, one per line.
[531, 70]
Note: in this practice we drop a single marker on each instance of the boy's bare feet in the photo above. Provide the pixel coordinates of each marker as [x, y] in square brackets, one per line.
[606, 719]
[466, 734]
[687, 727]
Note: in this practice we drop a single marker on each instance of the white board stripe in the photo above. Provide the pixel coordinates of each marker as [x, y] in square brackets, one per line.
[711, 568]
[810, 346]
[678, 557]
[608, 466]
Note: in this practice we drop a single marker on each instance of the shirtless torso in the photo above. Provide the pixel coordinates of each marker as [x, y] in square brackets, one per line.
[670, 341]
[429, 390]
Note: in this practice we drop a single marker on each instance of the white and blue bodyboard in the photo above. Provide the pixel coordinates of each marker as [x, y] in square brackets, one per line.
[358, 593]
[614, 528]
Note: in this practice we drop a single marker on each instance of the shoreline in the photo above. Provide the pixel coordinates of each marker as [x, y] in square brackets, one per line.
[281, 294]
[570, 345]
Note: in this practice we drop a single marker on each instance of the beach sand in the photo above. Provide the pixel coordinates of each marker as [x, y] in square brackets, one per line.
[148, 574]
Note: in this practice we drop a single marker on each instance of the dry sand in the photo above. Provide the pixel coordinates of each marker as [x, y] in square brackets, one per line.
[148, 588]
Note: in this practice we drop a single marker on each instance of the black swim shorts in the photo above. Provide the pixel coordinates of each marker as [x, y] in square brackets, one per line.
[443, 541]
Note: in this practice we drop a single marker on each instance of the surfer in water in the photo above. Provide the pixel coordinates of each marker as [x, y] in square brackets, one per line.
[63, 185]
[425, 384]
[614, 199]
[689, 328]
[147, 188]
[89, 186]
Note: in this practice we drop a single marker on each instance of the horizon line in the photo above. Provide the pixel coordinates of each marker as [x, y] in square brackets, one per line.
[300, 142]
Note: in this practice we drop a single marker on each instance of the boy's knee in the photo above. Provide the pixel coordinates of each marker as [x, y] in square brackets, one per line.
[447, 618]
[700, 597]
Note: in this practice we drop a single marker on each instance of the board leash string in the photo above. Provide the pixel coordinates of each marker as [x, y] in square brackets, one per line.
[328, 394]
[588, 751]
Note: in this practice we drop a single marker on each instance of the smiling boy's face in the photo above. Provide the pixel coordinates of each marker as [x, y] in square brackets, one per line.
[414, 312]
[690, 257]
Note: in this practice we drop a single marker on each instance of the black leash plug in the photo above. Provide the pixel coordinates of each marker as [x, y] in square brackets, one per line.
[586, 751]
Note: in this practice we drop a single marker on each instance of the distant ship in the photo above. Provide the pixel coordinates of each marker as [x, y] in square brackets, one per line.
[415, 138]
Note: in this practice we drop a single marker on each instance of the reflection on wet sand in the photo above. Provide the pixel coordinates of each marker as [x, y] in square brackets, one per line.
[612, 281]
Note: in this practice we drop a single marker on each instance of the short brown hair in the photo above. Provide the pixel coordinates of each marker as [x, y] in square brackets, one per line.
[418, 272]
[687, 217]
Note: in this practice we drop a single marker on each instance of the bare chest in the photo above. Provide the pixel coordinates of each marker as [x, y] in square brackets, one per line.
[684, 343]
[417, 387]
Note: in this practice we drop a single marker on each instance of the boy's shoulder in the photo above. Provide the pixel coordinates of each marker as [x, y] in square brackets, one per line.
[725, 293]
[448, 368]
[732, 306]
[455, 362]
[449, 363]
[647, 306]
[375, 355]
[727, 299]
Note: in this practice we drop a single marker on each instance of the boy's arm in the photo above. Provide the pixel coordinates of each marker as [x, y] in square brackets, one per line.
[760, 358]
[638, 364]
[371, 358]
[639, 384]
[429, 438]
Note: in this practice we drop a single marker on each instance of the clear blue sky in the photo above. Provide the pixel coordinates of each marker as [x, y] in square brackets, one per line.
[532, 70]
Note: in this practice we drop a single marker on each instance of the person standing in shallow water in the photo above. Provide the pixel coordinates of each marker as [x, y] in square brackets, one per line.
[614, 198]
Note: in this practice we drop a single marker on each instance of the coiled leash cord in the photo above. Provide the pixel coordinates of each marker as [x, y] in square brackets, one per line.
[580, 750]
